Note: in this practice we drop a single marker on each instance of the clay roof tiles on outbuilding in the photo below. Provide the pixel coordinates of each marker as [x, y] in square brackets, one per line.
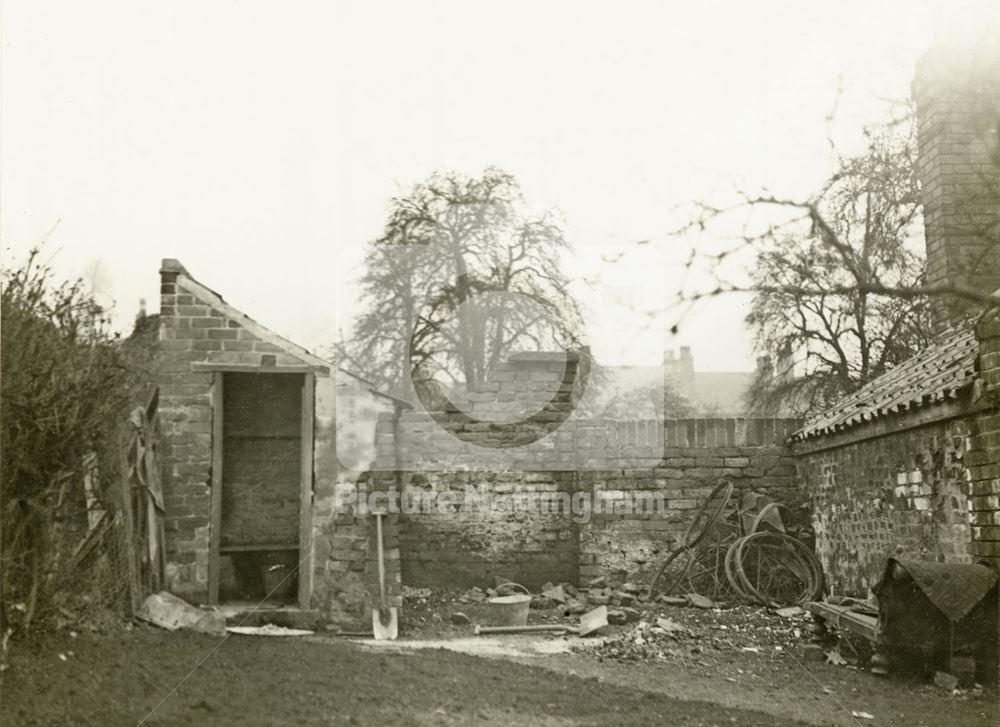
[938, 373]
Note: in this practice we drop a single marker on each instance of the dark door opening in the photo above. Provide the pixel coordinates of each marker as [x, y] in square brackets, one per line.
[261, 488]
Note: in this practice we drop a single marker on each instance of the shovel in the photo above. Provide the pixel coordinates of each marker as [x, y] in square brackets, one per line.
[385, 621]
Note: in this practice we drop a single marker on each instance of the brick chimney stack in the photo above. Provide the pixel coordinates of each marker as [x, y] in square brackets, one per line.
[957, 92]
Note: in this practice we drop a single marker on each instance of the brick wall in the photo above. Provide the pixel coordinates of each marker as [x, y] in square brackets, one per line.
[531, 532]
[957, 91]
[904, 494]
[186, 436]
[664, 497]
[523, 535]
[984, 460]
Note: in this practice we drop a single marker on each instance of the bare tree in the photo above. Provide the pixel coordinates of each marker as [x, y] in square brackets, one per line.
[462, 275]
[837, 284]
[844, 339]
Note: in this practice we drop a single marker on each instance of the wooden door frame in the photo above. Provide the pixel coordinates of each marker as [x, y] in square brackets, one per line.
[306, 492]
[308, 407]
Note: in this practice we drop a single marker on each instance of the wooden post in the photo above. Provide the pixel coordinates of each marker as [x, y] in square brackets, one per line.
[306, 493]
[215, 530]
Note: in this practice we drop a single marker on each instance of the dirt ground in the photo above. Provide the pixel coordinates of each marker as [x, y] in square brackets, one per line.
[151, 677]
[742, 657]
[139, 678]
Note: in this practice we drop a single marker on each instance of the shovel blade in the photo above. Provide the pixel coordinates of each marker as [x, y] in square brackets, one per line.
[385, 623]
[593, 620]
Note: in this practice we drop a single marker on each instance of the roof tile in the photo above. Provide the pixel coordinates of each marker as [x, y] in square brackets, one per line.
[935, 374]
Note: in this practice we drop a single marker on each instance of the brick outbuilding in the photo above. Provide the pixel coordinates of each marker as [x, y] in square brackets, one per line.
[249, 451]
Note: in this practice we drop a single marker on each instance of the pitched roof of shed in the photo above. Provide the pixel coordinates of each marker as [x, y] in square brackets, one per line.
[938, 373]
[214, 298]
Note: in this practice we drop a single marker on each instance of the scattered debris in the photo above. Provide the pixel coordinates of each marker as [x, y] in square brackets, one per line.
[554, 593]
[834, 657]
[674, 600]
[699, 601]
[713, 635]
[631, 614]
[948, 682]
[460, 619]
[862, 715]
[788, 612]
[542, 603]
[669, 626]
[616, 617]
[418, 594]
[171, 613]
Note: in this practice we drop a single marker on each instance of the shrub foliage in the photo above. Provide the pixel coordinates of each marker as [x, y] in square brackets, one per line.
[65, 387]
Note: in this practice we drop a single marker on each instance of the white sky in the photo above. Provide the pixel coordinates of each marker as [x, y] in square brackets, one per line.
[259, 142]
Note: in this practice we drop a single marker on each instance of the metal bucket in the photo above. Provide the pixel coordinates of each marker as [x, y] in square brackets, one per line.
[510, 610]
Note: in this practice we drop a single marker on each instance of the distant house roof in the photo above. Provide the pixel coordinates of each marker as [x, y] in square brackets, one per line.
[723, 390]
[938, 373]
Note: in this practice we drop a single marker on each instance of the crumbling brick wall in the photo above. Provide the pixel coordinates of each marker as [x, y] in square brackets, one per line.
[903, 494]
[531, 531]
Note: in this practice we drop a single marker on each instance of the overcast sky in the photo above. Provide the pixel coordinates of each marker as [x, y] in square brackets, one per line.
[259, 142]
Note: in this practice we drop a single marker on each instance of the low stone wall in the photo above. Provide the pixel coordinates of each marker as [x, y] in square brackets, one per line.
[592, 497]
[507, 524]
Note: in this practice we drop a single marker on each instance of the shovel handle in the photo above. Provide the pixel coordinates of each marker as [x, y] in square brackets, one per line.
[524, 629]
[381, 563]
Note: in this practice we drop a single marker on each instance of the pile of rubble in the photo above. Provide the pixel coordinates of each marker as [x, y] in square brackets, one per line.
[677, 633]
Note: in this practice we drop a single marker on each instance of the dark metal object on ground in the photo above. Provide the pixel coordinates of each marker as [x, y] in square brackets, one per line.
[676, 572]
[773, 568]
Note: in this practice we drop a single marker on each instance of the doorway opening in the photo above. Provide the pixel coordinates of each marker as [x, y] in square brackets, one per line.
[262, 482]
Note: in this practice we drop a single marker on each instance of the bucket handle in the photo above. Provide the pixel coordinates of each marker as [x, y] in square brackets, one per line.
[511, 585]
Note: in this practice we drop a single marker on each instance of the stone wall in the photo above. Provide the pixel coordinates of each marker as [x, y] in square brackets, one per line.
[903, 494]
[590, 497]
[645, 511]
